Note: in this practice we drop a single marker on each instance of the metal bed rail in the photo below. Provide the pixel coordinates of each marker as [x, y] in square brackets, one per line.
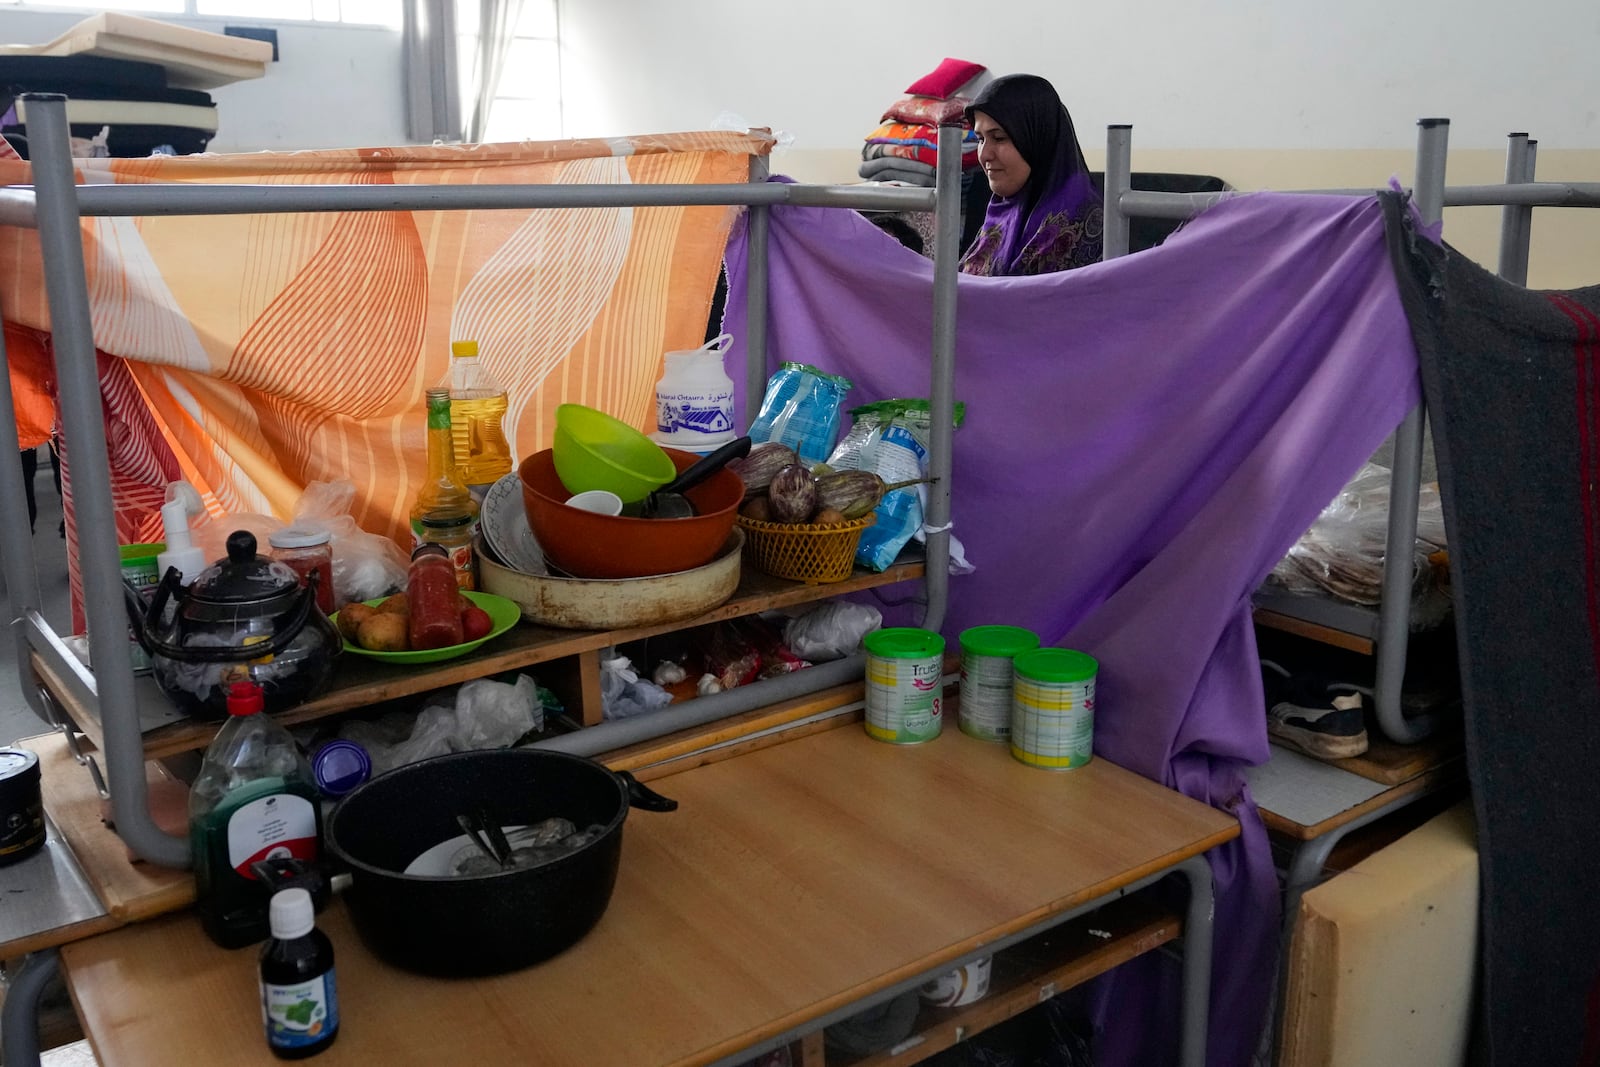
[55, 205]
[1518, 195]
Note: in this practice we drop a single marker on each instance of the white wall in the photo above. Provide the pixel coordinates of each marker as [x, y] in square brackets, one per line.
[333, 86]
[1227, 74]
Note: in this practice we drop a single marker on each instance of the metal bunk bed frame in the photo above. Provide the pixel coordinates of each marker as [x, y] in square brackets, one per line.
[1518, 196]
[56, 204]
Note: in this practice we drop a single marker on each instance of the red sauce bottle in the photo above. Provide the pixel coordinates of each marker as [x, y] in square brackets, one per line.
[435, 602]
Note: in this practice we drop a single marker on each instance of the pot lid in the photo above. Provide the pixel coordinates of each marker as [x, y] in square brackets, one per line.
[244, 577]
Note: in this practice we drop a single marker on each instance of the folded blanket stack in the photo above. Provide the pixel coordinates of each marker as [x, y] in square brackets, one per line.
[905, 145]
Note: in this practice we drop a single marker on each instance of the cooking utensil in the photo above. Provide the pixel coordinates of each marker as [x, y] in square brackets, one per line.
[618, 603]
[497, 837]
[243, 617]
[473, 826]
[668, 502]
[489, 923]
[618, 546]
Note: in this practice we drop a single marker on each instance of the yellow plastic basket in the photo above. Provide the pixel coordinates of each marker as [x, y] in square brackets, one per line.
[804, 552]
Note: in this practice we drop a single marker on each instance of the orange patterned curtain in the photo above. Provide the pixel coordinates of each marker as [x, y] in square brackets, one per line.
[253, 354]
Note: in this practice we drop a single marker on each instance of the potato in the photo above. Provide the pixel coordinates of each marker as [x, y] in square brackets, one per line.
[384, 631]
[351, 616]
[399, 604]
[827, 515]
[757, 509]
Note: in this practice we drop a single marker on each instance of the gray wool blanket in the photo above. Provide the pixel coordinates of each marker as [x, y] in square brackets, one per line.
[1512, 380]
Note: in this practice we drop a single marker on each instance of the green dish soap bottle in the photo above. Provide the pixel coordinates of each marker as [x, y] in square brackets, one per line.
[255, 799]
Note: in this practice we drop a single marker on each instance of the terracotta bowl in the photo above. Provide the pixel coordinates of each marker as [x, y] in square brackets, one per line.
[588, 545]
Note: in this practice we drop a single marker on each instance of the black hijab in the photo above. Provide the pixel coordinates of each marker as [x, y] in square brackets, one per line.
[1054, 221]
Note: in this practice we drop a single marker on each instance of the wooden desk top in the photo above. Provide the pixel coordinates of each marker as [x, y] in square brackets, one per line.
[791, 882]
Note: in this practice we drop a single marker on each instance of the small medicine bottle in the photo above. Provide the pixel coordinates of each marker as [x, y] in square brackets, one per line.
[309, 553]
[299, 1003]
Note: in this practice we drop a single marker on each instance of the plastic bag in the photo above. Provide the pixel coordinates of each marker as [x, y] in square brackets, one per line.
[623, 693]
[484, 714]
[801, 408]
[365, 565]
[890, 439]
[832, 630]
[1344, 551]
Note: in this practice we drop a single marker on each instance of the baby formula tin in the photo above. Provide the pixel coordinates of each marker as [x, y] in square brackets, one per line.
[986, 665]
[1052, 708]
[905, 667]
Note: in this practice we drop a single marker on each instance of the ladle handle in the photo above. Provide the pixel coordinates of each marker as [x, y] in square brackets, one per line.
[738, 448]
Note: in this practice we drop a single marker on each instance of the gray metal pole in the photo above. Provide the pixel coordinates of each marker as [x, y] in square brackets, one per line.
[619, 733]
[941, 399]
[16, 547]
[1394, 612]
[19, 1020]
[1197, 938]
[1119, 171]
[755, 370]
[181, 199]
[61, 248]
[1513, 266]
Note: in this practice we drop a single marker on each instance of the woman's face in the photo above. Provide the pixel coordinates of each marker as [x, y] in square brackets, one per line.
[1002, 164]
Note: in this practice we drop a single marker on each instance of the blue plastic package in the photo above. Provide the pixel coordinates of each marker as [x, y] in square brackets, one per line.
[801, 409]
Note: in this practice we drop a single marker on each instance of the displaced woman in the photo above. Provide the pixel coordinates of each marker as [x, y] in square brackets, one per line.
[1045, 210]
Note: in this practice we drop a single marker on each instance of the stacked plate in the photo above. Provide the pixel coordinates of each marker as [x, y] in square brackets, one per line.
[503, 523]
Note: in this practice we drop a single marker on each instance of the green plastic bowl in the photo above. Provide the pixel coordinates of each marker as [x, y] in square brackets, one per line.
[595, 451]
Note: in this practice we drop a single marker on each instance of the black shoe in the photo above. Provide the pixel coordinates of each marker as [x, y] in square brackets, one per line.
[1320, 718]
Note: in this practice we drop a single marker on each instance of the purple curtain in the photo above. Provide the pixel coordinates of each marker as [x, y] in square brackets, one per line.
[1144, 439]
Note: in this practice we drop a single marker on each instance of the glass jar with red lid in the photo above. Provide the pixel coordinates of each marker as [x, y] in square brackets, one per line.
[308, 552]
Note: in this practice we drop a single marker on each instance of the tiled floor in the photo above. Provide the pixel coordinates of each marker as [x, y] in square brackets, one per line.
[17, 719]
[77, 1054]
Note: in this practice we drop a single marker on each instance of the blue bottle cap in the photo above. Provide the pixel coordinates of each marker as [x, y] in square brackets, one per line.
[340, 766]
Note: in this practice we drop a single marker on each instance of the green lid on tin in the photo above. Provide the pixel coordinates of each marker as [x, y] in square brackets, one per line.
[904, 642]
[1056, 665]
[1004, 641]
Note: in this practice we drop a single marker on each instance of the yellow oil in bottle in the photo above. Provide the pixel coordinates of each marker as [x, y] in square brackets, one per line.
[482, 452]
[478, 404]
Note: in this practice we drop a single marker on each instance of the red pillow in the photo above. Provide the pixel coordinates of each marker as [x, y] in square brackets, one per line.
[951, 75]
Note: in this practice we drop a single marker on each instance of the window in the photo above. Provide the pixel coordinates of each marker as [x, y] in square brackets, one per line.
[367, 12]
[527, 103]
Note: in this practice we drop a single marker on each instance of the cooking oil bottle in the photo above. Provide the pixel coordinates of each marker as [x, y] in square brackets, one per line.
[444, 495]
[478, 405]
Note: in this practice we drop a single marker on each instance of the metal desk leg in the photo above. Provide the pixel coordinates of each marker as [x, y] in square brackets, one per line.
[1197, 928]
[1305, 868]
[19, 1019]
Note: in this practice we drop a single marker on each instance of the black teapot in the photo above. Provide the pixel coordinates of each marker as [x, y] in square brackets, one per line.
[243, 617]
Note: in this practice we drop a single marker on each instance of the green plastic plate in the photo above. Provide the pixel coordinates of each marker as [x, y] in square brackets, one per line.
[503, 613]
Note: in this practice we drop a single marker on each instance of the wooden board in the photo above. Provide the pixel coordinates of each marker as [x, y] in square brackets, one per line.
[1031, 973]
[1325, 634]
[131, 890]
[192, 58]
[360, 682]
[1391, 763]
[792, 882]
[1424, 783]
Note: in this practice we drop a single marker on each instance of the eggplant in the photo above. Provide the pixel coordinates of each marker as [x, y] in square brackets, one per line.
[854, 493]
[761, 465]
[792, 496]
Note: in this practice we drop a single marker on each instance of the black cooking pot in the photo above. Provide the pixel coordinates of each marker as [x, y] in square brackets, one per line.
[480, 924]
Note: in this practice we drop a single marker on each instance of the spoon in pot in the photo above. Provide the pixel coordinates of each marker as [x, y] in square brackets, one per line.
[669, 502]
[470, 824]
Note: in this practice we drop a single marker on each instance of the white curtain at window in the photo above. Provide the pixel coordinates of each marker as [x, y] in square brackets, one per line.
[496, 25]
[433, 88]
